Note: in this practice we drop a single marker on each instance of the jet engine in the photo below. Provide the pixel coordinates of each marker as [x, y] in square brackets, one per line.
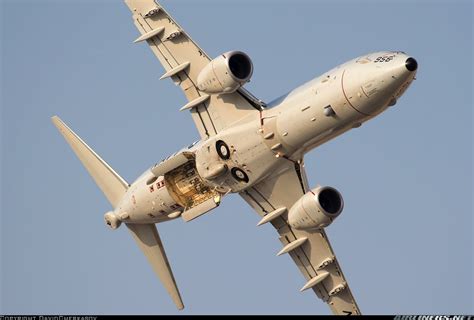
[226, 73]
[316, 209]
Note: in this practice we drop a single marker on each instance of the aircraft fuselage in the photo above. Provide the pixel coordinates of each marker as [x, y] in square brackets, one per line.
[252, 148]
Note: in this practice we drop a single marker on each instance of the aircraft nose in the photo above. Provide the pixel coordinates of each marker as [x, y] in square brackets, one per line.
[411, 64]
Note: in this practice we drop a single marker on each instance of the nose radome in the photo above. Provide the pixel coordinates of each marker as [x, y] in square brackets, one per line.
[411, 64]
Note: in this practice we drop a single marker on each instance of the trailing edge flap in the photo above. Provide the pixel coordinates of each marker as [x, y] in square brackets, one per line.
[111, 184]
[147, 238]
[171, 163]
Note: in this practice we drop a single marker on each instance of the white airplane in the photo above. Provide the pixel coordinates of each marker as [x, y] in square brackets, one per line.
[249, 148]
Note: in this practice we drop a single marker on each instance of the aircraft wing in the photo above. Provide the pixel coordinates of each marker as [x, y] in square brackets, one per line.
[315, 257]
[182, 60]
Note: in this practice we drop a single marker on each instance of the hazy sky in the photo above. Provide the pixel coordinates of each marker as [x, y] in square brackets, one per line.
[404, 240]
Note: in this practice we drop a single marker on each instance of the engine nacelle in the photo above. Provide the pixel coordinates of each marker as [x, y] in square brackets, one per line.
[226, 73]
[316, 209]
[112, 220]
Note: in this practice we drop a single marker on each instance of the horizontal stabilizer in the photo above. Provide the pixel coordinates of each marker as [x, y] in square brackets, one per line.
[147, 238]
[111, 184]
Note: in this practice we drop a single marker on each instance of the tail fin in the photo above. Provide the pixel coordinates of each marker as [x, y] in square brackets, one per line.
[111, 184]
[149, 242]
[114, 187]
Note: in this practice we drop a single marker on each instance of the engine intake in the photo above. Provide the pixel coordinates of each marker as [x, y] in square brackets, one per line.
[330, 201]
[226, 73]
[316, 209]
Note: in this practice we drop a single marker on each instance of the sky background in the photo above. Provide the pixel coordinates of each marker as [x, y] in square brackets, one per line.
[404, 240]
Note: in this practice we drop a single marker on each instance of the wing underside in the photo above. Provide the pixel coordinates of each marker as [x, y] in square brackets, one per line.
[315, 258]
[182, 60]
